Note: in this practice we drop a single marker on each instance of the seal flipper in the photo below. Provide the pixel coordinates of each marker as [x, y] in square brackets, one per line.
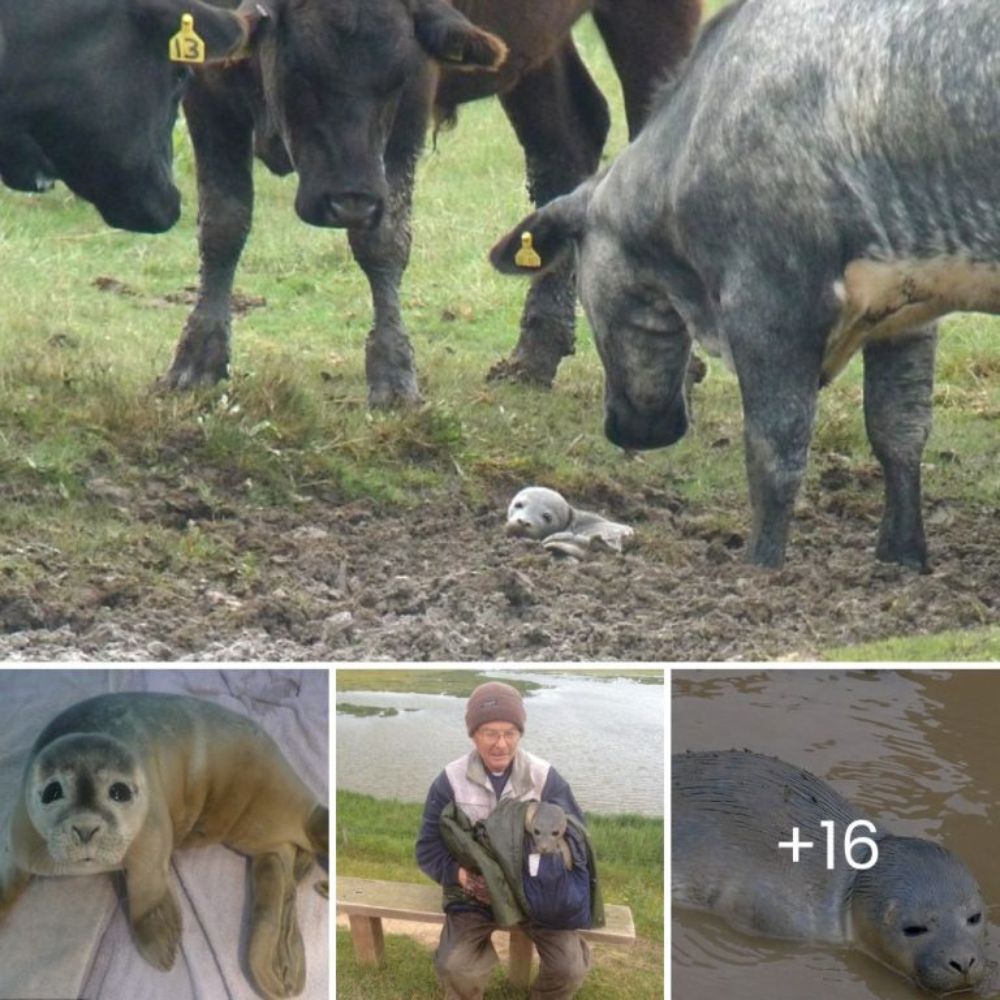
[152, 909]
[277, 954]
[567, 545]
[158, 932]
[318, 830]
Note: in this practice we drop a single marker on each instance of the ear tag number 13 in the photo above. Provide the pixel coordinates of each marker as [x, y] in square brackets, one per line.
[186, 46]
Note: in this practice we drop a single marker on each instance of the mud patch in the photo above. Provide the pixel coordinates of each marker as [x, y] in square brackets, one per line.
[353, 582]
[187, 296]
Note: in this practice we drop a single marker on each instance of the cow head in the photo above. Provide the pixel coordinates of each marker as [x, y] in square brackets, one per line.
[96, 91]
[335, 73]
[643, 343]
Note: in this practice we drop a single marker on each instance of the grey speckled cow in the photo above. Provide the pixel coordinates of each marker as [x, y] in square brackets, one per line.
[821, 178]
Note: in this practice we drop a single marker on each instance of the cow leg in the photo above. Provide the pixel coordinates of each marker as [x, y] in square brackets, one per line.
[383, 253]
[222, 135]
[646, 40]
[561, 120]
[779, 383]
[899, 380]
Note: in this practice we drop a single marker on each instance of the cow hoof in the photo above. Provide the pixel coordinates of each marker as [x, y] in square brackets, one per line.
[184, 378]
[393, 397]
[514, 369]
[911, 559]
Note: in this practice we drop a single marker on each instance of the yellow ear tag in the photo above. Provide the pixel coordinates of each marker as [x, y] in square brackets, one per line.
[186, 46]
[527, 256]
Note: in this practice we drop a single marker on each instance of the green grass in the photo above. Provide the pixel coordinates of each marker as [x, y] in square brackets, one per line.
[460, 683]
[365, 711]
[977, 644]
[640, 676]
[375, 839]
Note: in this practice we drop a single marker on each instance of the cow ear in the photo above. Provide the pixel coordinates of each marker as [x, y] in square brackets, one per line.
[452, 39]
[220, 34]
[541, 239]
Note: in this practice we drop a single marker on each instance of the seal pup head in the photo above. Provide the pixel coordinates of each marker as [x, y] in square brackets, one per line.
[87, 796]
[537, 512]
[920, 910]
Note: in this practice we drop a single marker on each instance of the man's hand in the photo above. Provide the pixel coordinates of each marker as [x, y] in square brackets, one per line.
[474, 886]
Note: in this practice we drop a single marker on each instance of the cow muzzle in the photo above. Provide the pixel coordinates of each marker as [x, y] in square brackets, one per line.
[154, 212]
[629, 428]
[344, 210]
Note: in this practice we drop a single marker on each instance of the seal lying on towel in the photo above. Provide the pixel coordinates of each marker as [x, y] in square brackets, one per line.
[544, 514]
[118, 781]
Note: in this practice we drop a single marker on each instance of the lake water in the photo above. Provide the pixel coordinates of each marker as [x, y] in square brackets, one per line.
[916, 751]
[605, 737]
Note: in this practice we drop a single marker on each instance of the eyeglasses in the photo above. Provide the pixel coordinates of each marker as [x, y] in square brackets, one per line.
[496, 735]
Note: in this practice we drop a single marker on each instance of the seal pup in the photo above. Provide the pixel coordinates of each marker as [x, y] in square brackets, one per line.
[118, 781]
[540, 513]
[545, 823]
[918, 910]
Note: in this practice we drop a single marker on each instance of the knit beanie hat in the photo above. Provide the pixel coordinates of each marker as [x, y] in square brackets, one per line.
[494, 701]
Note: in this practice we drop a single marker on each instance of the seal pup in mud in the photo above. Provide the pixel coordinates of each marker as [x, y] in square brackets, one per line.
[118, 781]
[918, 909]
[540, 513]
[545, 823]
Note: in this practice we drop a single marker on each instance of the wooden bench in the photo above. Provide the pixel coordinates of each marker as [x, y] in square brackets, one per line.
[367, 901]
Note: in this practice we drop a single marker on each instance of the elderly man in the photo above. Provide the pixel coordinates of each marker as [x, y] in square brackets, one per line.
[497, 769]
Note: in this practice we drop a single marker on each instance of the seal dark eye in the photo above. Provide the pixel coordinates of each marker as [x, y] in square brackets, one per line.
[120, 792]
[975, 918]
[51, 792]
[547, 518]
[915, 931]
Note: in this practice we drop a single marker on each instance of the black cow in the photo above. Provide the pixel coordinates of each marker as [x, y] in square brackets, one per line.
[342, 92]
[88, 94]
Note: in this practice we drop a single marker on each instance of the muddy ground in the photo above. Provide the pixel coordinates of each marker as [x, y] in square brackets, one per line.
[349, 581]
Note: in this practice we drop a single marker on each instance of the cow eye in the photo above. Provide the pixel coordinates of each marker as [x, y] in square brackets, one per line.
[51, 792]
[120, 792]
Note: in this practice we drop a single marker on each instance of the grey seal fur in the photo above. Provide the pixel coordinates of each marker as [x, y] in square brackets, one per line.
[543, 514]
[118, 781]
[919, 909]
[545, 823]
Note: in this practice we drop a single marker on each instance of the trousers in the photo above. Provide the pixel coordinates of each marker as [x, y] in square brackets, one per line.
[465, 958]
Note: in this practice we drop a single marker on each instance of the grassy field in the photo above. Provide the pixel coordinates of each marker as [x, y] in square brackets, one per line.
[375, 839]
[457, 682]
[462, 682]
[90, 317]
